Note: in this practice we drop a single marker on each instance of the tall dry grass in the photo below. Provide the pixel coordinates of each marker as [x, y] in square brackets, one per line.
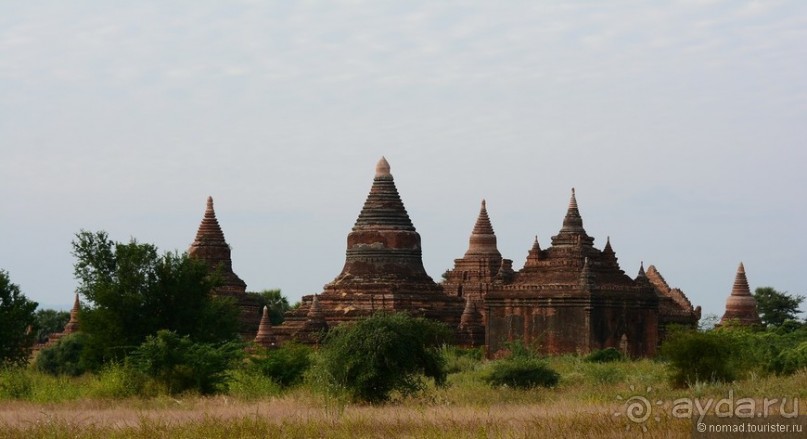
[585, 403]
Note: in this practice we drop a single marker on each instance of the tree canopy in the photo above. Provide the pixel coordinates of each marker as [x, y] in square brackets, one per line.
[277, 303]
[385, 353]
[133, 292]
[776, 307]
[16, 321]
[49, 321]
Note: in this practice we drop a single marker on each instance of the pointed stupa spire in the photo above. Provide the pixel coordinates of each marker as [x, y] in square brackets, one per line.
[641, 277]
[608, 248]
[264, 336]
[740, 287]
[72, 325]
[382, 168]
[383, 208]
[483, 240]
[315, 312]
[471, 327]
[383, 232]
[586, 275]
[211, 247]
[741, 306]
[609, 256]
[209, 232]
[534, 254]
[572, 231]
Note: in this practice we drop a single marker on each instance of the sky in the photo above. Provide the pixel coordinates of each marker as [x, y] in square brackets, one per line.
[681, 125]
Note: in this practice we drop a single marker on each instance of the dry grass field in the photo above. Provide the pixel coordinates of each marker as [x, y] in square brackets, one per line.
[590, 401]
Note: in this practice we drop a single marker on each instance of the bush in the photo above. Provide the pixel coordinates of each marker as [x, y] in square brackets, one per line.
[118, 381]
[461, 359]
[384, 353]
[15, 383]
[285, 365]
[792, 360]
[63, 358]
[522, 373]
[700, 356]
[605, 356]
[251, 384]
[180, 364]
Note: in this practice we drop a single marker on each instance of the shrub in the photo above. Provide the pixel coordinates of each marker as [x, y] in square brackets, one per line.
[605, 356]
[605, 373]
[251, 384]
[285, 365]
[179, 364]
[63, 358]
[522, 373]
[792, 360]
[384, 353]
[700, 356]
[118, 381]
[460, 359]
[15, 383]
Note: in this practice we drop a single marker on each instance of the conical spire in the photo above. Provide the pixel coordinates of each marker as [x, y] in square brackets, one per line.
[264, 336]
[383, 247]
[741, 306]
[534, 254]
[315, 312]
[383, 208]
[608, 248]
[586, 276]
[740, 287]
[72, 325]
[382, 168]
[211, 247]
[536, 247]
[483, 240]
[641, 274]
[573, 222]
[209, 232]
[471, 327]
[572, 231]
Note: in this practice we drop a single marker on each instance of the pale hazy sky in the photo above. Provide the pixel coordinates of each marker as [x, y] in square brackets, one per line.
[682, 126]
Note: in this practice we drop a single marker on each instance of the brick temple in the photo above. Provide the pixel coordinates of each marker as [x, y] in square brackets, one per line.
[569, 297]
[741, 306]
[210, 247]
[383, 272]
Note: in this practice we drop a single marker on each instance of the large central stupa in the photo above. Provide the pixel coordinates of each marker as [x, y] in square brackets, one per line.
[383, 271]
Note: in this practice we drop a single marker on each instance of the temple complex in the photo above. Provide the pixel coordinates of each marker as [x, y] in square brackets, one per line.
[383, 271]
[211, 247]
[741, 306]
[568, 298]
[573, 298]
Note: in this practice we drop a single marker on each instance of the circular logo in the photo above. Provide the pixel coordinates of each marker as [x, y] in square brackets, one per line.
[638, 409]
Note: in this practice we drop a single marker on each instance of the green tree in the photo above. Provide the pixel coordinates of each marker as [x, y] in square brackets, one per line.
[277, 303]
[179, 364]
[694, 356]
[49, 321]
[133, 292]
[63, 358]
[385, 353]
[16, 319]
[776, 307]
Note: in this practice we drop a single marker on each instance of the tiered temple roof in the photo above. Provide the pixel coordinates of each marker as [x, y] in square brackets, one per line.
[383, 269]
